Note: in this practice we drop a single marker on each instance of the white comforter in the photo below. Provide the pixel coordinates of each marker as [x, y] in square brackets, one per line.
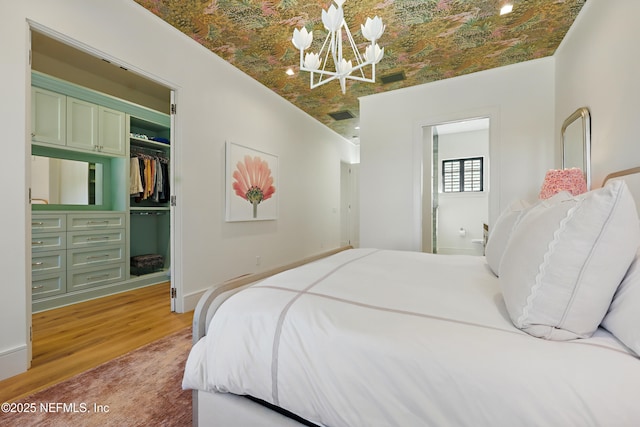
[391, 338]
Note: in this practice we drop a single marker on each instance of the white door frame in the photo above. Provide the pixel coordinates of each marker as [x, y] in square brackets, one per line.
[493, 113]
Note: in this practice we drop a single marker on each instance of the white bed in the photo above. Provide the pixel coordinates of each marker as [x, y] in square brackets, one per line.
[369, 337]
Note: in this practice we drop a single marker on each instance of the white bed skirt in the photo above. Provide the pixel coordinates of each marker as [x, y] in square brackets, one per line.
[230, 410]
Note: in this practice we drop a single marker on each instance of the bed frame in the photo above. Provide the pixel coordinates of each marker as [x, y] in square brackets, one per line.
[225, 409]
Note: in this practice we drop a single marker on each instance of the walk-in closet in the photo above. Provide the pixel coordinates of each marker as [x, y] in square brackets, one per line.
[101, 177]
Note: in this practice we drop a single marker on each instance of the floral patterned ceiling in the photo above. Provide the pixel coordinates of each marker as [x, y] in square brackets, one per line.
[427, 40]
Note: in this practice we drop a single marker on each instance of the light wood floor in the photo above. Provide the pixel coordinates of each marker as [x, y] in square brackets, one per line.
[72, 339]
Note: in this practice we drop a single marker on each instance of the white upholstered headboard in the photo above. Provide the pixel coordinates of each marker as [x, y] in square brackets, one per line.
[632, 178]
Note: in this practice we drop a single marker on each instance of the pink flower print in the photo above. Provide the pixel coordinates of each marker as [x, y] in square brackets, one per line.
[253, 181]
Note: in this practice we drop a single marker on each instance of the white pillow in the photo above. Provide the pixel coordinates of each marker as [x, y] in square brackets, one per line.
[623, 318]
[564, 262]
[499, 235]
[507, 222]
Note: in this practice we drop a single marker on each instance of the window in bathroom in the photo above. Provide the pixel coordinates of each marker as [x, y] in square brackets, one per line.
[462, 175]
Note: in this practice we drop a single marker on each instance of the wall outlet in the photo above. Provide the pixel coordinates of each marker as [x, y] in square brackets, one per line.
[258, 260]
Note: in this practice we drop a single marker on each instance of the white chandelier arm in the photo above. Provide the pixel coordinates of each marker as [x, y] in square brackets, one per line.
[361, 79]
[324, 45]
[333, 48]
[359, 59]
[360, 67]
[321, 82]
[334, 76]
[327, 52]
[339, 37]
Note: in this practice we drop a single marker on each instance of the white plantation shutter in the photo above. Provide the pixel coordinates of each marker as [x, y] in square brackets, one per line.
[462, 175]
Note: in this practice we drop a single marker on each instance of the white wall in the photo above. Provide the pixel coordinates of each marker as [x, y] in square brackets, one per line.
[519, 99]
[216, 103]
[598, 66]
[16, 212]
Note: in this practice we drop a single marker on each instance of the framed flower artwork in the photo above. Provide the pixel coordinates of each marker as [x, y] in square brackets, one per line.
[251, 184]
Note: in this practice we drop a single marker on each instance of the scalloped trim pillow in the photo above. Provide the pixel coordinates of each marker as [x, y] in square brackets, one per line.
[506, 223]
[564, 261]
[623, 318]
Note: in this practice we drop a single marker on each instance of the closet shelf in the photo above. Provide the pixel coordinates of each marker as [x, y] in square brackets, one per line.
[149, 143]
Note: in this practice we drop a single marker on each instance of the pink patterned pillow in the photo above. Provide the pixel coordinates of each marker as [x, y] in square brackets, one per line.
[557, 180]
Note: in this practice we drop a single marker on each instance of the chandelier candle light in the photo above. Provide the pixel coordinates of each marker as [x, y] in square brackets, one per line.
[343, 69]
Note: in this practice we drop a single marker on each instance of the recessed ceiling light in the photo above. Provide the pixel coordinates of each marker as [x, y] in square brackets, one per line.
[290, 72]
[507, 8]
[357, 128]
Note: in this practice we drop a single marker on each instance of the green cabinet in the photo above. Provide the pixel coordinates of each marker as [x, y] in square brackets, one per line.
[48, 117]
[61, 120]
[111, 131]
[82, 124]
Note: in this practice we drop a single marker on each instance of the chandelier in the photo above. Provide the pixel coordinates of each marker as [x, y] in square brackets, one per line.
[342, 69]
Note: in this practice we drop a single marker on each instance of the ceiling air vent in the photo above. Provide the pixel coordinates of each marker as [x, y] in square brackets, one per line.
[393, 77]
[341, 115]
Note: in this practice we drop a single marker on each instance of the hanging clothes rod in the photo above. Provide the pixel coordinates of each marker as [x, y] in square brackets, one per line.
[146, 149]
[148, 212]
[153, 154]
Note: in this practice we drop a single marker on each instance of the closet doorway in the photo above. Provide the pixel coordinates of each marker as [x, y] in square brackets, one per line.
[349, 204]
[149, 227]
[455, 197]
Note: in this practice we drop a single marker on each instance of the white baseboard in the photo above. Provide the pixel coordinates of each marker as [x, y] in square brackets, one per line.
[190, 301]
[13, 361]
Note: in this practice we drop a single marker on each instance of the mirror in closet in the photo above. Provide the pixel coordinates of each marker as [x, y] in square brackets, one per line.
[58, 181]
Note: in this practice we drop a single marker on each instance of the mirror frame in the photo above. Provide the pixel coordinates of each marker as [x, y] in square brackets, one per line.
[585, 117]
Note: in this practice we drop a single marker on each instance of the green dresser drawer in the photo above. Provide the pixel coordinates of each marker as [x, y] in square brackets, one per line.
[45, 222]
[95, 221]
[78, 258]
[48, 241]
[90, 277]
[48, 262]
[47, 285]
[86, 239]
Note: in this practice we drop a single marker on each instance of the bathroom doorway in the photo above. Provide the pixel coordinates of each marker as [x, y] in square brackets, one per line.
[455, 186]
